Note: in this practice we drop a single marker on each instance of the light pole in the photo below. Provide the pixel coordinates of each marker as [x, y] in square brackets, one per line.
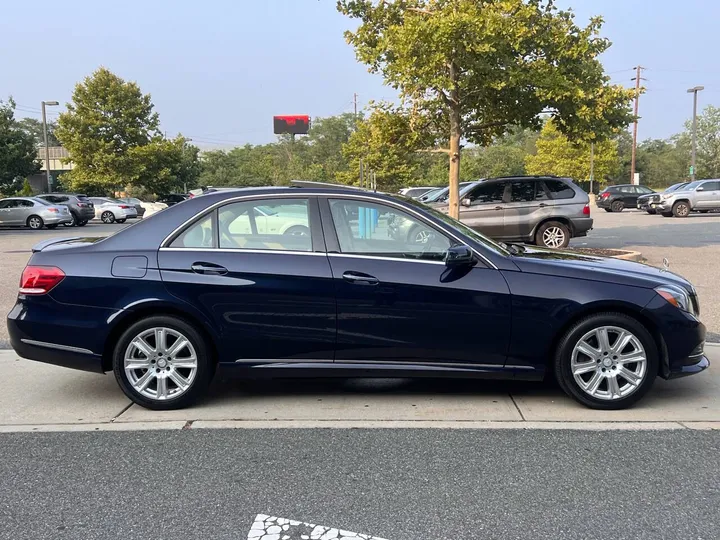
[694, 91]
[47, 150]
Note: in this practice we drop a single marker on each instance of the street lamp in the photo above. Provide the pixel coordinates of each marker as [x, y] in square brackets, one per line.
[47, 150]
[694, 91]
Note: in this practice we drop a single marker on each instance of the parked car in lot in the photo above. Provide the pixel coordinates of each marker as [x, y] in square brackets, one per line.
[81, 208]
[617, 198]
[441, 195]
[416, 192]
[542, 210]
[110, 210]
[137, 203]
[644, 202]
[173, 198]
[32, 212]
[166, 302]
[153, 207]
[699, 196]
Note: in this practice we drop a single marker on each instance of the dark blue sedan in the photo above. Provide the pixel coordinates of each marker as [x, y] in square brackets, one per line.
[324, 282]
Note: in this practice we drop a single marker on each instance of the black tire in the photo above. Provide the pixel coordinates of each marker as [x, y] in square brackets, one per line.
[617, 206]
[73, 222]
[121, 220]
[563, 358]
[35, 223]
[205, 363]
[51, 227]
[607, 209]
[81, 223]
[297, 230]
[681, 209]
[107, 217]
[666, 214]
[553, 229]
[652, 212]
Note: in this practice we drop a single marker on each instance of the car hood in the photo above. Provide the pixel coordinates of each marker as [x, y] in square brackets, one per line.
[581, 266]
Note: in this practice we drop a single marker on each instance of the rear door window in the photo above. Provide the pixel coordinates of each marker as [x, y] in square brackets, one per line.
[559, 189]
[522, 191]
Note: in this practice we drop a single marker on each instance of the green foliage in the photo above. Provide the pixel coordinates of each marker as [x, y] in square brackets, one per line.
[504, 157]
[18, 158]
[477, 67]
[661, 163]
[708, 143]
[557, 155]
[35, 128]
[27, 190]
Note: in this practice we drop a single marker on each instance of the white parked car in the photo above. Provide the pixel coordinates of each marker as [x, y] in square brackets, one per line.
[110, 210]
[152, 207]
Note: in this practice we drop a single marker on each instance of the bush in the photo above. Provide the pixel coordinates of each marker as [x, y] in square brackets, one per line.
[27, 190]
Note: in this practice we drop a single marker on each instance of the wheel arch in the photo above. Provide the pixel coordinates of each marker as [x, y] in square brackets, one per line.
[623, 308]
[561, 219]
[132, 316]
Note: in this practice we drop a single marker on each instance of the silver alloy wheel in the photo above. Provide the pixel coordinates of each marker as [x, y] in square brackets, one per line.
[35, 222]
[682, 210]
[609, 363]
[160, 363]
[422, 236]
[553, 237]
[107, 217]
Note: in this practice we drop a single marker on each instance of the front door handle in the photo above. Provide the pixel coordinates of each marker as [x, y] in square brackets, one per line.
[542, 205]
[360, 279]
[208, 269]
[498, 208]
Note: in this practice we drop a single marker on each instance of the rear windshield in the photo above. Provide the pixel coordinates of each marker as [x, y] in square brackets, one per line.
[83, 198]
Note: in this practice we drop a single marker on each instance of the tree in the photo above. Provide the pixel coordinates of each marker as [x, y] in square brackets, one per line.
[325, 141]
[165, 165]
[557, 155]
[708, 143]
[478, 66]
[504, 157]
[107, 119]
[18, 155]
[27, 190]
[661, 163]
[34, 127]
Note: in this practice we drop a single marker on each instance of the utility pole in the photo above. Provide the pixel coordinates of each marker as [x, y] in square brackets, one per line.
[47, 150]
[694, 91]
[637, 78]
[592, 165]
[355, 106]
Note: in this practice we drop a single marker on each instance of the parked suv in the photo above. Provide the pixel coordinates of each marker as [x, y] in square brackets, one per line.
[81, 208]
[543, 210]
[698, 196]
[616, 198]
[644, 202]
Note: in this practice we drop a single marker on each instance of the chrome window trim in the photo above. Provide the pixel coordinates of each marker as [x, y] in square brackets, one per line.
[241, 250]
[305, 194]
[57, 346]
[380, 258]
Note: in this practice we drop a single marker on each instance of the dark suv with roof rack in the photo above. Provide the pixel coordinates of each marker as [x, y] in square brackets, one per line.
[543, 210]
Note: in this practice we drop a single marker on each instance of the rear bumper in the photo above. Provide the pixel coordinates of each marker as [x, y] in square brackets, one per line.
[603, 203]
[58, 219]
[86, 213]
[581, 226]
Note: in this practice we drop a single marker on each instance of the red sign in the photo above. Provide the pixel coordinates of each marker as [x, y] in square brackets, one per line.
[294, 124]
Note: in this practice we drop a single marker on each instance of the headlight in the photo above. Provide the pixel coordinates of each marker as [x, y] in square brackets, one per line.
[665, 197]
[677, 297]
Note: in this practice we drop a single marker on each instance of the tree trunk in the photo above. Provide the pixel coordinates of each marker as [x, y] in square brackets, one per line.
[453, 201]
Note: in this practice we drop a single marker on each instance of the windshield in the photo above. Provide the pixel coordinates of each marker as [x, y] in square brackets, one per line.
[462, 228]
[443, 194]
[676, 187]
[692, 186]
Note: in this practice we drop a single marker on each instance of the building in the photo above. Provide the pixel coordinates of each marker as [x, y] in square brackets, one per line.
[57, 154]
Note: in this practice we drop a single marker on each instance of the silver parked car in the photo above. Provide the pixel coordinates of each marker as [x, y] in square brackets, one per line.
[111, 210]
[699, 196]
[542, 210]
[137, 203]
[32, 212]
[415, 192]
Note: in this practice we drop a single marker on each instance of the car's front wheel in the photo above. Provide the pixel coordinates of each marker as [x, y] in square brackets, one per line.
[681, 209]
[607, 361]
[162, 363]
[553, 234]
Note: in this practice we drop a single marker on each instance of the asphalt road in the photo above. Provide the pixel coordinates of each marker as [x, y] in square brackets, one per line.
[394, 484]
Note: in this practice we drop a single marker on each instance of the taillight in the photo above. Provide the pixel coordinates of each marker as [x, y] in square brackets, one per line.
[124, 206]
[40, 279]
[586, 210]
[51, 209]
[604, 195]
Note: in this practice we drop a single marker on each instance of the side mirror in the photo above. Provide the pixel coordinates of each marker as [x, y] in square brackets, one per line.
[700, 189]
[458, 256]
[466, 202]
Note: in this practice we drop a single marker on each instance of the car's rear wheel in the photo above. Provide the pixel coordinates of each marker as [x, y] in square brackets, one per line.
[107, 217]
[81, 223]
[35, 222]
[617, 206]
[666, 214]
[681, 209]
[607, 209]
[553, 234]
[607, 361]
[162, 363]
[73, 222]
[652, 212]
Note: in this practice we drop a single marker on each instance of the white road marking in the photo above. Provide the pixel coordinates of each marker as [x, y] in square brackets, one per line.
[277, 528]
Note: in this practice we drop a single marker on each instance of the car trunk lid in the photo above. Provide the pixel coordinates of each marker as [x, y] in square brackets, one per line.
[65, 243]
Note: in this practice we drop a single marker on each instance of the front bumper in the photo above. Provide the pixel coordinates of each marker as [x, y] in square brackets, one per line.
[701, 363]
[662, 206]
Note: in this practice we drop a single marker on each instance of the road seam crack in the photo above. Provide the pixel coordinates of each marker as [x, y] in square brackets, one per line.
[522, 416]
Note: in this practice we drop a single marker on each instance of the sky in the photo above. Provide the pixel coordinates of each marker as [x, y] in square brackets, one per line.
[218, 70]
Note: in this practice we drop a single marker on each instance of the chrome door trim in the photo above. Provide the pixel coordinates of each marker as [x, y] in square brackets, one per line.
[241, 250]
[57, 346]
[303, 194]
[379, 258]
[283, 361]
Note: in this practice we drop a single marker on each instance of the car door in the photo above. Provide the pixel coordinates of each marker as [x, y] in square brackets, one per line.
[483, 208]
[529, 204]
[15, 215]
[270, 296]
[397, 301]
[707, 195]
[5, 215]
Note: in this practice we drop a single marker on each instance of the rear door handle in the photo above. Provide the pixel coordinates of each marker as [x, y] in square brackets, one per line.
[498, 208]
[208, 269]
[542, 205]
[360, 279]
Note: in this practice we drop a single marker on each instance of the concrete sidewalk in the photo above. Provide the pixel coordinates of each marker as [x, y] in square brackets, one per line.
[39, 397]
